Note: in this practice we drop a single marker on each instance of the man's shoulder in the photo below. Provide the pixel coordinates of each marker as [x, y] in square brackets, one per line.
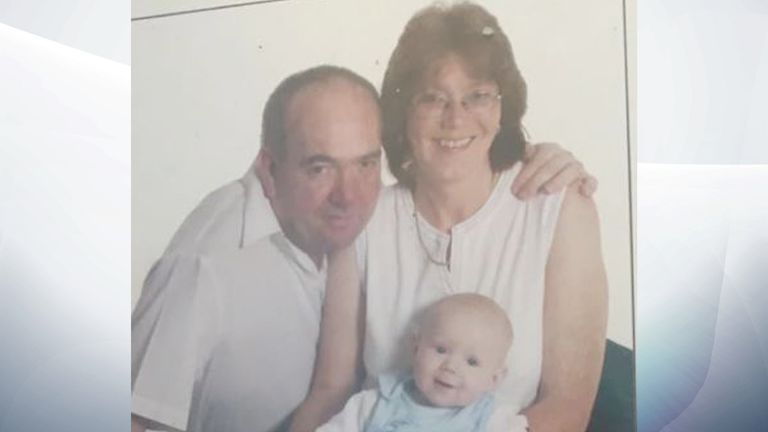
[232, 191]
[262, 256]
[187, 271]
[217, 219]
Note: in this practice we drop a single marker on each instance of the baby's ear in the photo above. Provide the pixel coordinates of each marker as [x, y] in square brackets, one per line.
[499, 376]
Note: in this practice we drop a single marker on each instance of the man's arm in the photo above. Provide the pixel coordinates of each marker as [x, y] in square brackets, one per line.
[172, 327]
[575, 313]
[339, 350]
[548, 168]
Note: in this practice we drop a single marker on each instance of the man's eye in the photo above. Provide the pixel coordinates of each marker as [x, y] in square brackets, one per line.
[441, 349]
[317, 169]
[473, 362]
[371, 163]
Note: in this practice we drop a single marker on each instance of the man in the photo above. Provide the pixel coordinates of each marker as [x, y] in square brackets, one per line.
[225, 332]
[208, 352]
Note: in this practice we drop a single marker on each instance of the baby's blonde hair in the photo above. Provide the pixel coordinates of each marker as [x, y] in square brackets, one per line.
[477, 306]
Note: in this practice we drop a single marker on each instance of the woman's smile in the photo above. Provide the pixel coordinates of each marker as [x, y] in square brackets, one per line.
[454, 144]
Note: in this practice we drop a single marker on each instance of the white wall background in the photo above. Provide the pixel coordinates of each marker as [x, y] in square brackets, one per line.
[200, 81]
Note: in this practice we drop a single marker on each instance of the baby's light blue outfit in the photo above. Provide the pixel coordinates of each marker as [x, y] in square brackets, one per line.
[396, 411]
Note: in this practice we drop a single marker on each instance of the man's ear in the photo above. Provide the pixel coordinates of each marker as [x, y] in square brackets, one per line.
[264, 168]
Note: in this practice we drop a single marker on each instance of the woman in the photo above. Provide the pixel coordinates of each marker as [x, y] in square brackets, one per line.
[452, 101]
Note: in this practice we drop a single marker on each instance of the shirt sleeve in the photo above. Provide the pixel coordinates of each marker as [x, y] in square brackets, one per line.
[172, 330]
[216, 224]
[354, 415]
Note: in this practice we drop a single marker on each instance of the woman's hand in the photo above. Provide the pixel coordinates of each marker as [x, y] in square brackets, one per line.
[548, 168]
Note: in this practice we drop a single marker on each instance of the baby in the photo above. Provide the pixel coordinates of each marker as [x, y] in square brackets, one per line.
[459, 358]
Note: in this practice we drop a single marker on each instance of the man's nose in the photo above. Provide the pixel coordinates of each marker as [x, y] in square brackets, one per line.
[344, 188]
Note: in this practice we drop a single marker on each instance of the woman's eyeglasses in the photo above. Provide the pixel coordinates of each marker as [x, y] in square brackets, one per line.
[434, 103]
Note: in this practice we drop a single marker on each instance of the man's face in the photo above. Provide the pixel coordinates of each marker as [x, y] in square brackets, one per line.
[327, 182]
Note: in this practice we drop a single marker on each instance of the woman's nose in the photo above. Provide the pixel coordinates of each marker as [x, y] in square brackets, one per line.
[453, 114]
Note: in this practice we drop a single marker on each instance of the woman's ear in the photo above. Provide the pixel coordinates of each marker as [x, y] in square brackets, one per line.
[264, 167]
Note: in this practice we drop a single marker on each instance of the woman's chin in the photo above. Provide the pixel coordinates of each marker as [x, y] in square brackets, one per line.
[452, 173]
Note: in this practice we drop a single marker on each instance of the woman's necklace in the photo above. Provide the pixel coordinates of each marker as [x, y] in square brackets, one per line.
[446, 261]
[440, 263]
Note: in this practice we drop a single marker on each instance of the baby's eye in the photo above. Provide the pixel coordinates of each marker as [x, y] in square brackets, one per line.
[441, 349]
[473, 362]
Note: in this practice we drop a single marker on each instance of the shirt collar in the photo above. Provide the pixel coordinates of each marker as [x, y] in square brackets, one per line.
[259, 220]
[298, 256]
[258, 217]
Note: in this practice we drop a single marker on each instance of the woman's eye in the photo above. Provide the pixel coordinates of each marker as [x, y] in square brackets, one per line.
[472, 362]
[441, 350]
[427, 98]
[479, 95]
[480, 98]
[430, 99]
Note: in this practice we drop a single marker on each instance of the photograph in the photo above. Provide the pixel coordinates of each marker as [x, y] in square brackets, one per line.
[382, 215]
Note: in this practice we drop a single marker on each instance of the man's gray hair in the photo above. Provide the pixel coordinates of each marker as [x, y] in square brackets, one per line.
[273, 121]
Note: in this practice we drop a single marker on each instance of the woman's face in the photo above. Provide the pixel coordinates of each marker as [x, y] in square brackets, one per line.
[452, 122]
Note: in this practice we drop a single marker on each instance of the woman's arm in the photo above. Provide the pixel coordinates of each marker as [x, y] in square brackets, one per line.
[575, 313]
[340, 346]
[356, 412]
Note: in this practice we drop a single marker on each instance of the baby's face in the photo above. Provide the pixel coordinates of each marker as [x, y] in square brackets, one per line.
[457, 360]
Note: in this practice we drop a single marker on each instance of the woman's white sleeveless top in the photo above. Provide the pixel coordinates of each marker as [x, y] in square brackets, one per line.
[501, 252]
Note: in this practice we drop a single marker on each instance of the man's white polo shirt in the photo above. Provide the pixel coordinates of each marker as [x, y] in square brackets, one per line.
[229, 343]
